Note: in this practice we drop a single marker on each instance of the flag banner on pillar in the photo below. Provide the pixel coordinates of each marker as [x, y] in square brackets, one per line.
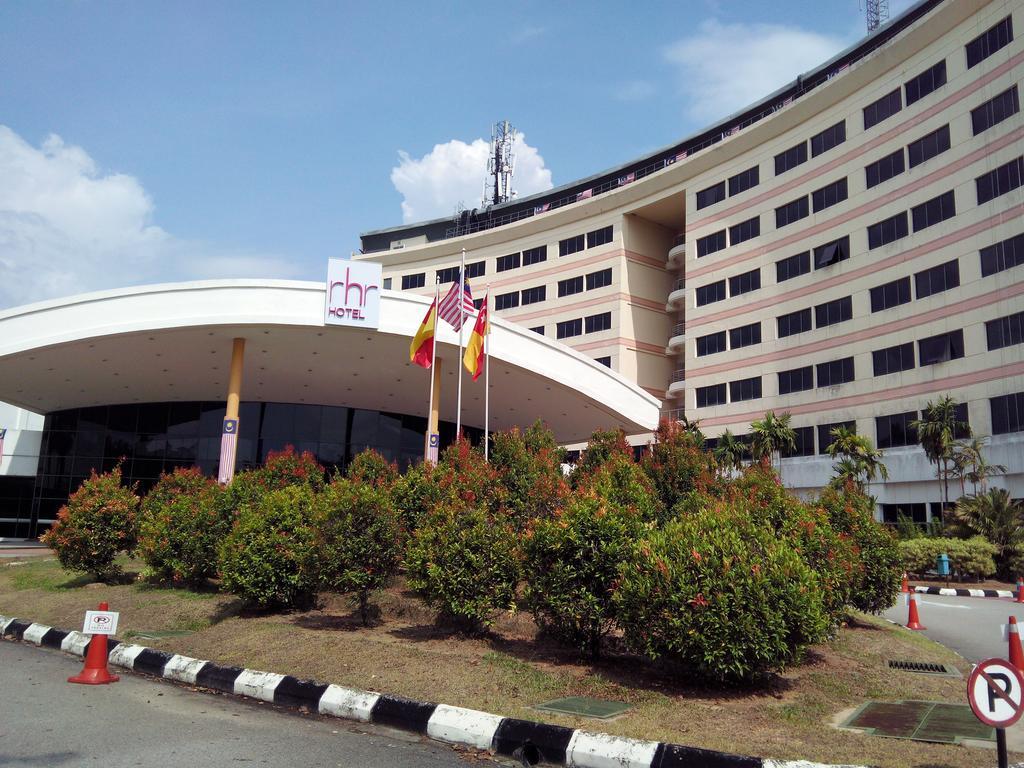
[3, 433]
[228, 450]
[421, 350]
[474, 357]
[457, 306]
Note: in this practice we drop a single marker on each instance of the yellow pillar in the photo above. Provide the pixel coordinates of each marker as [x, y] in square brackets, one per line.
[433, 415]
[229, 433]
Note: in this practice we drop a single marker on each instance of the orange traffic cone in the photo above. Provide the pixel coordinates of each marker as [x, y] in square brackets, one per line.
[905, 587]
[913, 622]
[1016, 652]
[95, 670]
[1020, 590]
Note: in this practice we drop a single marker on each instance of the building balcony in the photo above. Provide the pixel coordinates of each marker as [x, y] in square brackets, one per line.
[677, 253]
[677, 294]
[678, 383]
[677, 338]
[673, 414]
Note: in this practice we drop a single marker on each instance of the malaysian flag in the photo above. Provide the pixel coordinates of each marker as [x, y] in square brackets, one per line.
[2, 433]
[586, 193]
[787, 101]
[228, 448]
[732, 131]
[542, 208]
[456, 306]
[629, 178]
[681, 155]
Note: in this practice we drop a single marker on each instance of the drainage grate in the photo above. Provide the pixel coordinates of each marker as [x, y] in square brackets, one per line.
[924, 668]
[585, 706]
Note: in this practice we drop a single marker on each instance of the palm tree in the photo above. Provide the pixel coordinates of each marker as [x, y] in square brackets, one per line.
[969, 463]
[858, 459]
[729, 451]
[997, 518]
[771, 435]
[937, 430]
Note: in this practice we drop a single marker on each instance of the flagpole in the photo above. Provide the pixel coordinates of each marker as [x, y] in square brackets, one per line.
[433, 364]
[487, 376]
[462, 320]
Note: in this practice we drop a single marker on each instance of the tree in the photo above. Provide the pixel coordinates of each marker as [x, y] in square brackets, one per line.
[857, 459]
[729, 451]
[772, 435]
[937, 430]
[969, 463]
[997, 518]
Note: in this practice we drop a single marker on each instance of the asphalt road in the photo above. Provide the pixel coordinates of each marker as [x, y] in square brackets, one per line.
[968, 625]
[45, 721]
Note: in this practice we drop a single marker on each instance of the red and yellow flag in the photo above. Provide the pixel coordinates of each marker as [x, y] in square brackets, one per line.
[474, 357]
[421, 350]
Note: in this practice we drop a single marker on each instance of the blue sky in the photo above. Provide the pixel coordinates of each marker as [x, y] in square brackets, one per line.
[144, 141]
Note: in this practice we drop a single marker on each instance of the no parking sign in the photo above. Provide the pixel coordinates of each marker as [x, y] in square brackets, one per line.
[995, 691]
[100, 623]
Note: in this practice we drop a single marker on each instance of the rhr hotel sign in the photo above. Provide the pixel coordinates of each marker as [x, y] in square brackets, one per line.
[353, 293]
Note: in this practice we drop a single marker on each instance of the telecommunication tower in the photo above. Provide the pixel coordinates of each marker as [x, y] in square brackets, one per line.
[877, 13]
[500, 165]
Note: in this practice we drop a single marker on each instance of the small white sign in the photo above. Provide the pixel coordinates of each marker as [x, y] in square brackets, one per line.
[100, 623]
[995, 691]
[353, 293]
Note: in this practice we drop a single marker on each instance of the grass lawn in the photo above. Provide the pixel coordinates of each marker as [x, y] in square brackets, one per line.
[508, 671]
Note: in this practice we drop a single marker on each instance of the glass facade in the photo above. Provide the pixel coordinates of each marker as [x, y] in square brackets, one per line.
[151, 438]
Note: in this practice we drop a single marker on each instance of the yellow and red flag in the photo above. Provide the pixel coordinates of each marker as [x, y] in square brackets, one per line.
[475, 352]
[421, 350]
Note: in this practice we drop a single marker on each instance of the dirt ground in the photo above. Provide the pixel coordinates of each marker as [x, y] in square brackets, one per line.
[407, 651]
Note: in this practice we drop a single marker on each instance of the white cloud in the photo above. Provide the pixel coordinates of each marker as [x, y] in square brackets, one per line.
[764, 58]
[67, 227]
[526, 33]
[634, 90]
[452, 173]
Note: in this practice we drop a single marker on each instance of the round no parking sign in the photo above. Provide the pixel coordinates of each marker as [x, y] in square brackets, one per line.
[995, 690]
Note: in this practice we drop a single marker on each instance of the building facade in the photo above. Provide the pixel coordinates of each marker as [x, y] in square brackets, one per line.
[847, 250]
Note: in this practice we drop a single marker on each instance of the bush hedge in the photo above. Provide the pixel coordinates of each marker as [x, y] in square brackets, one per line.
[973, 557]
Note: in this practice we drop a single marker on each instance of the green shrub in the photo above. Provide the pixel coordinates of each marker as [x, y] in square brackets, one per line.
[719, 595]
[99, 520]
[601, 446]
[282, 469]
[413, 494]
[464, 560]
[676, 463]
[371, 468]
[182, 526]
[268, 557]
[620, 482]
[529, 466]
[973, 557]
[464, 478]
[356, 539]
[571, 564]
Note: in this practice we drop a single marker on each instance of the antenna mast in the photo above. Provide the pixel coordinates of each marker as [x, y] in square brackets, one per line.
[877, 13]
[500, 165]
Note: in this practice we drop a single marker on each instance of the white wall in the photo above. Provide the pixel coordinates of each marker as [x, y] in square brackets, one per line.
[21, 444]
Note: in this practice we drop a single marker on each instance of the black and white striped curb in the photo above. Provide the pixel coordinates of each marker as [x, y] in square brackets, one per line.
[525, 740]
[950, 592]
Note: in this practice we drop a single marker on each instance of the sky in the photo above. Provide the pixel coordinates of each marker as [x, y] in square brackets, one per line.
[145, 142]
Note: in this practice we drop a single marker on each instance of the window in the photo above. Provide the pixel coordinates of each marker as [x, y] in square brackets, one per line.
[601, 322]
[745, 283]
[387, 283]
[506, 300]
[890, 294]
[995, 110]
[928, 146]
[707, 294]
[570, 285]
[1000, 181]
[535, 294]
[599, 237]
[599, 279]
[478, 303]
[794, 323]
[796, 380]
[791, 158]
[963, 430]
[447, 275]
[745, 336]
[803, 443]
[713, 395]
[829, 195]
[832, 136]
[571, 245]
[832, 312]
[888, 231]
[893, 359]
[1007, 413]
[894, 431]
[832, 253]
[887, 106]
[933, 211]
[794, 266]
[915, 511]
[884, 169]
[710, 243]
[414, 281]
[711, 195]
[1002, 256]
[568, 328]
[505, 263]
[835, 372]
[745, 389]
[535, 255]
[744, 180]
[937, 279]
[1005, 331]
[745, 230]
[825, 438]
[606, 361]
[711, 344]
[476, 269]
[790, 212]
[539, 329]
[941, 348]
[931, 79]
[988, 42]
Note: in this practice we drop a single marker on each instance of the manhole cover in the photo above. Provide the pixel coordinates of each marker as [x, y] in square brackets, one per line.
[925, 668]
[585, 706]
[920, 721]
